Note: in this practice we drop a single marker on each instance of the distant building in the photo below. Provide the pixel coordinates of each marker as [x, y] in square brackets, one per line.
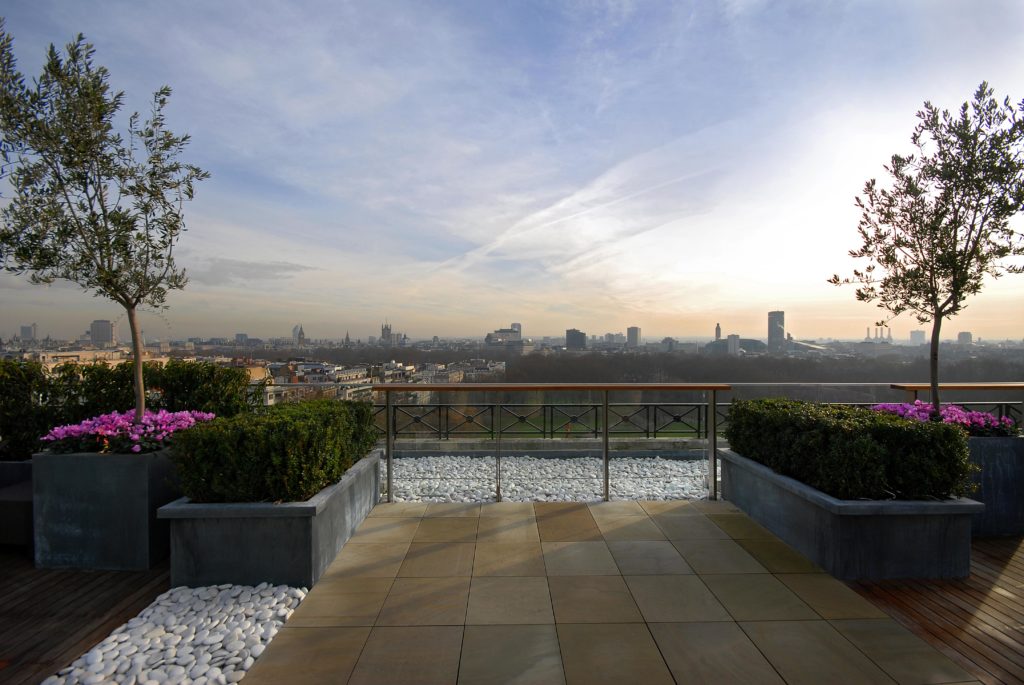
[29, 333]
[747, 346]
[510, 339]
[503, 336]
[776, 331]
[633, 336]
[917, 338]
[718, 331]
[964, 338]
[298, 335]
[241, 339]
[101, 333]
[575, 339]
[732, 345]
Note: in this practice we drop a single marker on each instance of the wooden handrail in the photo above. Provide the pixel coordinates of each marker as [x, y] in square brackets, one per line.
[959, 386]
[912, 389]
[501, 387]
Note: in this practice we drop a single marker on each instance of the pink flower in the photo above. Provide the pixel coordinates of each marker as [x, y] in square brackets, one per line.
[117, 431]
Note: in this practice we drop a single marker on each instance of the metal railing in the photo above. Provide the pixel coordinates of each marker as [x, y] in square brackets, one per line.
[546, 420]
[595, 421]
[604, 420]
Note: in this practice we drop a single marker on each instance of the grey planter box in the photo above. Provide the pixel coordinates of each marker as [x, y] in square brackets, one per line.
[1000, 485]
[15, 502]
[854, 539]
[98, 511]
[290, 543]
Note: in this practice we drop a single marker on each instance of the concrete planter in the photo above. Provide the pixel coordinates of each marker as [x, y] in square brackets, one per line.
[1000, 485]
[15, 502]
[291, 543]
[854, 539]
[98, 511]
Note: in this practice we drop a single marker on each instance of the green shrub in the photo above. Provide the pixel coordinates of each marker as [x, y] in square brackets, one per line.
[852, 453]
[285, 454]
[22, 419]
[201, 386]
[32, 401]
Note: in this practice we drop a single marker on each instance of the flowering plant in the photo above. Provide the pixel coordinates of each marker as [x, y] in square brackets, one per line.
[117, 432]
[976, 423]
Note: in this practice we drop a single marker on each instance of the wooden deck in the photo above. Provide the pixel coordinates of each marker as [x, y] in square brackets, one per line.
[48, 618]
[978, 622]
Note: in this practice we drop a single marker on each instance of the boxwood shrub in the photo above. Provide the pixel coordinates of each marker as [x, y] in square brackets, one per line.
[852, 453]
[285, 454]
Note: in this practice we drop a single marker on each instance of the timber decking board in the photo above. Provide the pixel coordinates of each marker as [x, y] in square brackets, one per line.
[977, 621]
[926, 625]
[48, 617]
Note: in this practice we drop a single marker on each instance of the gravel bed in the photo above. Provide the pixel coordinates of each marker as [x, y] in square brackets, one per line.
[453, 478]
[189, 635]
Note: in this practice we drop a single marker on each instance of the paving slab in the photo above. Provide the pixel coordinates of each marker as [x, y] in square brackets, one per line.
[616, 592]
[513, 655]
[427, 655]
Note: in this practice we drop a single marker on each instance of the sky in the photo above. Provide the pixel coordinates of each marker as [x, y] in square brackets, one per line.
[452, 167]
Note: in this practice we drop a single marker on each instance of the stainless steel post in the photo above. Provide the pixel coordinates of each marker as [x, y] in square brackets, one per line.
[713, 446]
[497, 458]
[605, 436]
[389, 447]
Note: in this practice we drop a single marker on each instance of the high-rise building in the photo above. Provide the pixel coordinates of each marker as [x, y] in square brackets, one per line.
[964, 338]
[518, 328]
[917, 337]
[101, 333]
[718, 331]
[575, 340]
[776, 331]
[241, 339]
[733, 344]
[29, 333]
[633, 336]
[385, 335]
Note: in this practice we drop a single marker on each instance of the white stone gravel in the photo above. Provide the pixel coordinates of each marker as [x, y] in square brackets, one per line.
[202, 636]
[453, 478]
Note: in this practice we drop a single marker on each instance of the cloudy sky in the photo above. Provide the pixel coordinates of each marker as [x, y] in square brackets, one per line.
[455, 166]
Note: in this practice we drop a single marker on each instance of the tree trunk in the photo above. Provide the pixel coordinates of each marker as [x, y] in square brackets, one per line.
[933, 361]
[140, 388]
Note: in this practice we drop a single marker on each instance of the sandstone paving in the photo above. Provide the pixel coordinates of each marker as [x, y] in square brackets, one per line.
[571, 592]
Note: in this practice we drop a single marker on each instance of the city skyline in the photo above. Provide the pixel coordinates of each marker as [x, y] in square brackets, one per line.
[119, 333]
[590, 166]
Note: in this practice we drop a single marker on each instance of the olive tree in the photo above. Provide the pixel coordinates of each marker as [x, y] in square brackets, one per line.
[88, 205]
[943, 223]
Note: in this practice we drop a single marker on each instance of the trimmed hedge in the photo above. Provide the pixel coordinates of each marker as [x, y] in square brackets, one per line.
[22, 420]
[285, 454]
[32, 401]
[852, 453]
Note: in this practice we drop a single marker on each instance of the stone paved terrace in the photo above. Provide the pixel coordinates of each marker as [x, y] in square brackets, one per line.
[611, 592]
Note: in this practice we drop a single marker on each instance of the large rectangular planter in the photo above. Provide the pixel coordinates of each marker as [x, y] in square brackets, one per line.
[1000, 485]
[289, 543]
[98, 511]
[854, 539]
[15, 502]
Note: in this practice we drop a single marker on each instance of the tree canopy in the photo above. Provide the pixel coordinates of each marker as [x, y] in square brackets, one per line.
[943, 224]
[90, 206]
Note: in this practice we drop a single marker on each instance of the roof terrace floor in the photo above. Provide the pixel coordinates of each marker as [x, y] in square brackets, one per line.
[611, 592]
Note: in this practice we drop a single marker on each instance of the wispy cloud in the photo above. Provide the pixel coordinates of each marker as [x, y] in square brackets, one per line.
[453, 165]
